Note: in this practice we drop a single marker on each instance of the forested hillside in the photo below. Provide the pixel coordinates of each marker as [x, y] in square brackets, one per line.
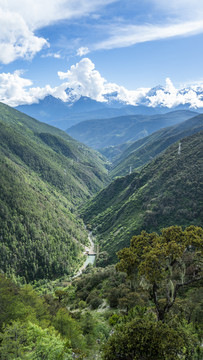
[144, 150]
[167, 191]
[44, 174]
[118, 130]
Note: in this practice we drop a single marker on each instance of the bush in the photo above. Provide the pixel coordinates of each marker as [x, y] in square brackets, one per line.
[95, 302]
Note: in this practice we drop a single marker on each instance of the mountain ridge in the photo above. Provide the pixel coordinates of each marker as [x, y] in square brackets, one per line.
[144, 150]
[107, 132]
[77, 108]
[44, 176]
[167, 191]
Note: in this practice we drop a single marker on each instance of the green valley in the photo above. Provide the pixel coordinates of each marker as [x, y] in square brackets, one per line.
[115, 131]
[167, 191]
[53, 191]
[101, 180]
[44, 176]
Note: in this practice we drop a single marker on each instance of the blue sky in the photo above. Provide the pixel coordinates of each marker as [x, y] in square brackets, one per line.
[120, 45]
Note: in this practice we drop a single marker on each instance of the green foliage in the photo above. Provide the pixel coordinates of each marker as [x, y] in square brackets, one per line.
[118, 130]
[44, 174]
[101, 286]
[165, 192]
[20, 303]
[69, 328]
[29, 341]
[94, 302]
[145, 338]
[164, 263]
[144, 150]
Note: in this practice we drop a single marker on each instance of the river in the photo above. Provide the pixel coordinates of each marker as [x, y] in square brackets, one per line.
[90, 257]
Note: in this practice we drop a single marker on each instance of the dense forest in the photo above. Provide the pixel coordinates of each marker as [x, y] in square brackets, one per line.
[142, 299]
[148, 307]
[137, 154]
[165, 192]
[43, 178]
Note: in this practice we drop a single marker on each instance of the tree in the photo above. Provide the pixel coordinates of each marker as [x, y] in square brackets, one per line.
[164, 263]
[69, 328]
[145, 338]
[29, 341]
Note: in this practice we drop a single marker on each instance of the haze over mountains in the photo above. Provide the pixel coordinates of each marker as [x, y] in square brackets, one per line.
[65, 114]
[142, 151]
[78, 108]
[115, 131]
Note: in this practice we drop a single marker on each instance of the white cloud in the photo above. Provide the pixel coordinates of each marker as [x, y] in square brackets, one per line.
[16, 90]
[175, 18]
[20, 19]
[82, 51]
[38, 13]
[180, 8]
[129, 35]
[83, 80]
[170, 96]
[16, 40]
[50, 54]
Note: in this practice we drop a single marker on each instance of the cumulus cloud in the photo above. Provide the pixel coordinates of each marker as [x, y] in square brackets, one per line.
[16, 90]
[82, 79]
[20, 19]
[169, 96]
[16, 40]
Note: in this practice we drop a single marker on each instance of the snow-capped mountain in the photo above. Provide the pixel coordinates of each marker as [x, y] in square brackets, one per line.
[76, 108]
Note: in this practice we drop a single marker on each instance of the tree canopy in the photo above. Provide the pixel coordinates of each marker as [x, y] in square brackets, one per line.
[164, 263]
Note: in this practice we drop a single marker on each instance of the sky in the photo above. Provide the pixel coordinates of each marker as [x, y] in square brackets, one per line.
[96, 47]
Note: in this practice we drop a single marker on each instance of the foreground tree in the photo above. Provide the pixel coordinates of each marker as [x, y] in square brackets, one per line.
[142, 337]
[164, 263]
[31, 342]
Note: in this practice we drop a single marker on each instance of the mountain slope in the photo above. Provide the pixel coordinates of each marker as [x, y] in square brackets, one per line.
[61, 114]
[167, 191]
[144, 150]
[71, 162]
[107, 132]
[44, 174]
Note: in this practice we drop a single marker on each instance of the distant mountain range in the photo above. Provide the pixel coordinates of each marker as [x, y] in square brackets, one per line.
[115, 131]
[63, 115]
